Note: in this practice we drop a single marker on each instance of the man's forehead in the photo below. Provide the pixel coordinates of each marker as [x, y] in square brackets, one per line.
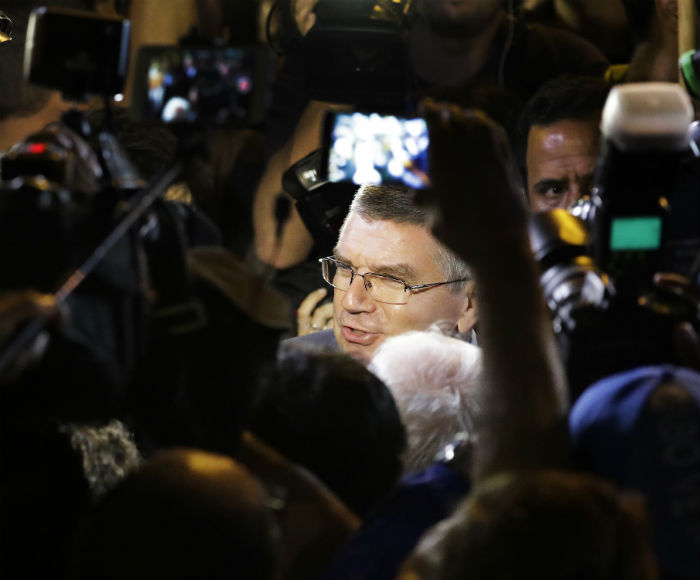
[401, 247]
[566, 132]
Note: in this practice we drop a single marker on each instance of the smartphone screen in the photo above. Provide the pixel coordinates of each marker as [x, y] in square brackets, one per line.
[376, 149]
[199, 85]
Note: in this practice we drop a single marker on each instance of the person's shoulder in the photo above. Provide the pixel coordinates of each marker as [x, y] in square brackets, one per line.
[321, 341]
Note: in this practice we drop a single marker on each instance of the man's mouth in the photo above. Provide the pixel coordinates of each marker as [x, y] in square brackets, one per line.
[358, 336]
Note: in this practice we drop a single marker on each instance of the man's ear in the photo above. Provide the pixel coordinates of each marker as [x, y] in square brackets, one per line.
[469, 315]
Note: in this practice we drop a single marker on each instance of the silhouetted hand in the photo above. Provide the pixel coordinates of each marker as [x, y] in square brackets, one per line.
[311, 317]
[475, 192]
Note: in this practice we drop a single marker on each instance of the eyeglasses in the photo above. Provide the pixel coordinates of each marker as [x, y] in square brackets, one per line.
[381, 288]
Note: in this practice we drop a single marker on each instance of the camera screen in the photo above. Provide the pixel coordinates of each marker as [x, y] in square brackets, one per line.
[198, 84]
[375, 149]
[636, 233]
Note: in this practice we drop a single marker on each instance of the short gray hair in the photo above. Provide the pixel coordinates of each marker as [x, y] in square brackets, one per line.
[396, 204]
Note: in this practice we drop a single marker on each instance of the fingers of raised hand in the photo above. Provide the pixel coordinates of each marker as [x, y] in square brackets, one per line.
[308, 320]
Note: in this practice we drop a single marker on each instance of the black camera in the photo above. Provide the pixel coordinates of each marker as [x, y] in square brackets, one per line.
[78, 53]
[356, 52]
[600, 262]
[201, 85]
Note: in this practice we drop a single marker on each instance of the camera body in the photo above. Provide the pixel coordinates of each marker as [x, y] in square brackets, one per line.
[599, 261]
[645, 129]
[356, 52]
[78, 53]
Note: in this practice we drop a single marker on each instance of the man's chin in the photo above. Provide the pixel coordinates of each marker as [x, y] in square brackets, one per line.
[360, 353]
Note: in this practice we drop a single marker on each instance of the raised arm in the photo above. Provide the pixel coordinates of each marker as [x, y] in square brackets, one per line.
[481, 214]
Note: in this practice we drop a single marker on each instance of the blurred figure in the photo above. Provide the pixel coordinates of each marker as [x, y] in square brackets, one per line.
[434, 381]
[641, 430]
[601, 22]
[198, 388]
[543, 524]
[325, 411]
[559, 139]
[184, 514]
[654, 24]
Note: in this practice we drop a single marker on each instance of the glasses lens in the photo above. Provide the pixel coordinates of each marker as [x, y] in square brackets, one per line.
[337, 275]
[385, 289]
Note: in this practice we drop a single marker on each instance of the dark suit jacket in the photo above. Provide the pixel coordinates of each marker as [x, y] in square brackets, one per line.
[321, 341]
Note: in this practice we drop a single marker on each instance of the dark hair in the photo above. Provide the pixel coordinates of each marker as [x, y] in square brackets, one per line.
[327, 412]
[564, 97]
[552, 524]
[185, 514]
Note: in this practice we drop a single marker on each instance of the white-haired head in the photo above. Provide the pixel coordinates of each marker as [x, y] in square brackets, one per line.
[434, 380]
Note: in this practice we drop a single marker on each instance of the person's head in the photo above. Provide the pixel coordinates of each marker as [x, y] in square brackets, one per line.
[386, 233]
[458, 18]
[540, 524]
[328, 413]
[558, 140]
[434, 380]
[185, 514]
[640, 429]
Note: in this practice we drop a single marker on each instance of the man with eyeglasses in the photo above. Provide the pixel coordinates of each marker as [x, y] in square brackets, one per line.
[389, 275]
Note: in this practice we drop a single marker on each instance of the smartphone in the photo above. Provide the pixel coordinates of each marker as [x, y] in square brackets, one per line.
[376, 149]
[200, 85]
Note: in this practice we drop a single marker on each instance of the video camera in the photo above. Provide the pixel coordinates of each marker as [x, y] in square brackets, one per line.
[356, 52]
[80, 221]
[601, 260]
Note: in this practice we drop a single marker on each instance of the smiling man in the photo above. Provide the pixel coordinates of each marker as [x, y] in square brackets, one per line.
[389, 275]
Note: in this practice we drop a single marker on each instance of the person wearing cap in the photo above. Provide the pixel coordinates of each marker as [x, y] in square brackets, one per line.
[640, 430]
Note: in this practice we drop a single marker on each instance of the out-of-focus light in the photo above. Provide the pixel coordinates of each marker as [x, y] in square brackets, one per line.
[118, 98]
[36, 148]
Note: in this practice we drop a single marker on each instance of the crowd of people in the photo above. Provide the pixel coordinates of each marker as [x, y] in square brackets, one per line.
[229, 394]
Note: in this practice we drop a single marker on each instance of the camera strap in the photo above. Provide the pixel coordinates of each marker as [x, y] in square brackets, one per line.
[176, 309]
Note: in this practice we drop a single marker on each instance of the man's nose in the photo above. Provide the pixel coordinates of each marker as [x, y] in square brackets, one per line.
[356, 298]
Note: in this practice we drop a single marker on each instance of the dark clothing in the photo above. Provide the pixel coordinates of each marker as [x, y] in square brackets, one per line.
[389, 535]
[535, 55]
[323, 340]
